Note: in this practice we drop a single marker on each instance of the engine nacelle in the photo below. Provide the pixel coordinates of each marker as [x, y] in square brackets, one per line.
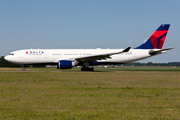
[65, 64]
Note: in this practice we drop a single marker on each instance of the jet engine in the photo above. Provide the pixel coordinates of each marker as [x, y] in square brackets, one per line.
[66, 64]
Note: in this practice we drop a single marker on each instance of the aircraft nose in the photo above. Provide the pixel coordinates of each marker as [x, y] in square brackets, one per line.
[6, 58]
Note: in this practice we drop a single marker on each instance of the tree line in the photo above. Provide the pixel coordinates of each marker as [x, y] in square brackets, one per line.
[153, 64]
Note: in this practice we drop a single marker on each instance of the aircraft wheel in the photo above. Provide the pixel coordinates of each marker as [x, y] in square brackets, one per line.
[23, 69]
[82, 69]
[91, 69]
[87, 69]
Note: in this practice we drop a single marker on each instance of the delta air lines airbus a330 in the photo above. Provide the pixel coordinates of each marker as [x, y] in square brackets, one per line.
[68, 58]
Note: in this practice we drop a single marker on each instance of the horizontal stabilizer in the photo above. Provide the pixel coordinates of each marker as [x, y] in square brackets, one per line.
[153, 52]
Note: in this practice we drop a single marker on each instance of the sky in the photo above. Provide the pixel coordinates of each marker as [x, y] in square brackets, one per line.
[88, 24]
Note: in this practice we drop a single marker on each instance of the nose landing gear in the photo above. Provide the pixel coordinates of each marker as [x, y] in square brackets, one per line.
[23, 68]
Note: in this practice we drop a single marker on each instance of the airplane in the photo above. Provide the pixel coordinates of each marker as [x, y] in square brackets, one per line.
[87, 58]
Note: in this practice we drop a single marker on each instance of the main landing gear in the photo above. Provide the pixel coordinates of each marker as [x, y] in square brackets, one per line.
[23, 68]
[87, 69]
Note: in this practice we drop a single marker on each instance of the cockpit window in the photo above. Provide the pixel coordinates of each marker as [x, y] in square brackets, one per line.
[11, 54]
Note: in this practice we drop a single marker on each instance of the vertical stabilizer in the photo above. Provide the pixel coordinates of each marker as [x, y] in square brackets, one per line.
[156, 40]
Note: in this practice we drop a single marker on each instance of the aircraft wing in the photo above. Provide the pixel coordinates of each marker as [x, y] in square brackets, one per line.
[100, 56]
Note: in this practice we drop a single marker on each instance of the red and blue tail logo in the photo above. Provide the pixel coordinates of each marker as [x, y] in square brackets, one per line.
[156, 40]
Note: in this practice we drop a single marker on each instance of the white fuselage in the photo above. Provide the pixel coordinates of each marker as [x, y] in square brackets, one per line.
[45, 56]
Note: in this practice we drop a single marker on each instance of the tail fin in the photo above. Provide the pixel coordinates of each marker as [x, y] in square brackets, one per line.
[156, 40]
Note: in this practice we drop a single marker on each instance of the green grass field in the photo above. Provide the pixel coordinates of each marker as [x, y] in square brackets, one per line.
[114, 93]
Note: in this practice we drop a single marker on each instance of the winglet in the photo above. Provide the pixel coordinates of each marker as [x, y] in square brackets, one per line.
[127, 49]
